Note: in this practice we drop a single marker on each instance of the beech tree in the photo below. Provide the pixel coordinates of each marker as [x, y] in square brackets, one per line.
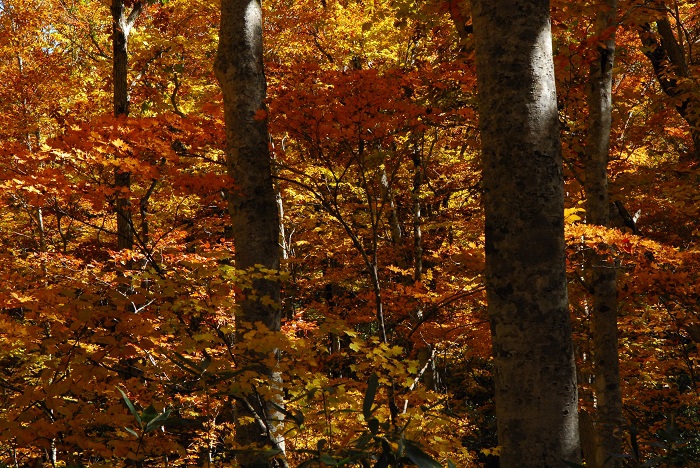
[254, 215]
[535, 375]
[603, 274]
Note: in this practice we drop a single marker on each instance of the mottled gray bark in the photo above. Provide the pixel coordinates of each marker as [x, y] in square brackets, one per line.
[254, 211]
[121, 28]
[603, 275]
[534, 370]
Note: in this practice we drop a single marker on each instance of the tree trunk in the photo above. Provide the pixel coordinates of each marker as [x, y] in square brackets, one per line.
[417, 233]
[388, 200]
[535, 375]
[254, 213]
[671, 70]
[121, 28]
[603, 282]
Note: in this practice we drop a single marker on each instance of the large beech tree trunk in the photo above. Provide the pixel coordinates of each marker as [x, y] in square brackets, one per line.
[254, 216]
[603, 275]
[121, 28]
[535, 375]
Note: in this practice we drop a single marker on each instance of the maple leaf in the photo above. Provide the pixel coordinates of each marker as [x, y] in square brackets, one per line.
[120, 144]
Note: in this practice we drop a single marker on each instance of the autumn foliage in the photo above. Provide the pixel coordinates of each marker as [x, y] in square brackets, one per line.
[373, 129]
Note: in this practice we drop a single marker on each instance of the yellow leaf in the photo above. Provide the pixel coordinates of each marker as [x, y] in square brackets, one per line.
[120, 144]
[571, 215]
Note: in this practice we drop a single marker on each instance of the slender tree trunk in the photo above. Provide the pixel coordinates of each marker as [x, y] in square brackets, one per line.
[40, 228]
[603, 282]
[254, 213]
[535, 375]
[121, 28]
[417, 233]
[388, 200]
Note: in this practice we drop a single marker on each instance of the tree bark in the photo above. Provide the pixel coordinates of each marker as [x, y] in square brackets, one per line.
[388, 200]
[254, 213]
[534, 370]
[603, 280]
[417, 233]
[672, 73]
[121, 28]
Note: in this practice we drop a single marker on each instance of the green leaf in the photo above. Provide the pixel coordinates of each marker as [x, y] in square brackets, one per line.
[131, 407]
[328, 460]
[451, 464]
[372, 385]
[419, 457]
[158, 421]
[363, 440]
[148, 414]
[131, 431]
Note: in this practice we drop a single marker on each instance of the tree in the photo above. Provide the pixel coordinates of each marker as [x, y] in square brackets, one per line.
[603, 279]
[121, 28]
[668, 59]
[253, 208]
[535, 376]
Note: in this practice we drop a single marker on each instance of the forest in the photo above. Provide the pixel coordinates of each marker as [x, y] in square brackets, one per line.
[361, 233]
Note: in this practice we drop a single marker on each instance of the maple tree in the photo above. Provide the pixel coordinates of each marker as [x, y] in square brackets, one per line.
[116, 355]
